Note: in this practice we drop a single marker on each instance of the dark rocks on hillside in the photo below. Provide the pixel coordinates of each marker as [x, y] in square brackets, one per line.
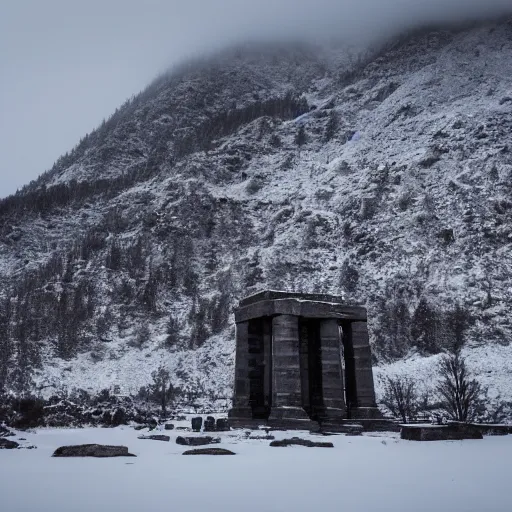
[155, 438]
[152, 424]
[447, 236]
[7, 444]
[197, 441]
[368, 207]
[106, 418]
[209, 451]
[140, 427]
[431, 157]
[56, 411]
[92, 450]
[119, 418]
[5, 432]
[296, 441]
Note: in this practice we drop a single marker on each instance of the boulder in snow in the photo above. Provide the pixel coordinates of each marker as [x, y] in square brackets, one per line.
[156, 438]
[92, 450]
[209, 451]
[296, 441]
[197, 441]
[6, 444]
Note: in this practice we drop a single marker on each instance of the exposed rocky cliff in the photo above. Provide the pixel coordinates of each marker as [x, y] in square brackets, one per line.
[384, 176]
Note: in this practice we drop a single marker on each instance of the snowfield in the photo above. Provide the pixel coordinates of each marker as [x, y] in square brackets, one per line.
[374, 472]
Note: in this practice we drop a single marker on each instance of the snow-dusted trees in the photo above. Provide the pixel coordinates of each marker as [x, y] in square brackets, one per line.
[114, 255]
[349, 276]
[150, 293]
[400, 397]
[332, 126]
[461, 397]
[161, 389]
[6, 344]
[142, 335]
[455, 393]
[228, 121]
[426, 326]
[172, 332]
[197, 319]
[301, 137]
[254, 273]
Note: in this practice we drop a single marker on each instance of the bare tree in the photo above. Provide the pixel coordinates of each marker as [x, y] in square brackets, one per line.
[461, 396]
[400, 397]
[162, 388]
[301, 137]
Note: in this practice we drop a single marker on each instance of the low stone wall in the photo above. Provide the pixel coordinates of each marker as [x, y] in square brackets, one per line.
[451, 432]
[487, 429]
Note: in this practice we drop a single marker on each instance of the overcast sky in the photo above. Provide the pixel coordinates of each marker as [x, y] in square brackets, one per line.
[67, 64]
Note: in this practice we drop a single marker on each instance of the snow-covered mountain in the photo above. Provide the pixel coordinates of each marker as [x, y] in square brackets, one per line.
[383, 175]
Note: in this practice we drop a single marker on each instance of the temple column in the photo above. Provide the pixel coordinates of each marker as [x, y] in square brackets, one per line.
[267, 361]
[241, 404]
[334, 409]
[363, 374]
[286, 379]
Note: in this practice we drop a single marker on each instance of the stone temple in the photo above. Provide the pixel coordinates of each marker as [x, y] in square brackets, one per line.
[302, 360]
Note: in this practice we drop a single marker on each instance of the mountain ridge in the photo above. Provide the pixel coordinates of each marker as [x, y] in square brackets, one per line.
[384, 179]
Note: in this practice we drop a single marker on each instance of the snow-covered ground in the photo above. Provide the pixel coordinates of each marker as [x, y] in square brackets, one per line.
[376, 472]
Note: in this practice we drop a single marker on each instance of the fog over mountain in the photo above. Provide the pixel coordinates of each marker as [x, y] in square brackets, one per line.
[66, 66]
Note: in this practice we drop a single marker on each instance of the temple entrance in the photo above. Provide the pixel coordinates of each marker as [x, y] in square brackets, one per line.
[311, 368]
[259, 362]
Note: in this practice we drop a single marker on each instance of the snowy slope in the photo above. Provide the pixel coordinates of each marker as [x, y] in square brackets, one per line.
[404, 205]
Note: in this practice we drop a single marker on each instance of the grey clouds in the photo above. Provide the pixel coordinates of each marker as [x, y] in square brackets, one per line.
[65, 65]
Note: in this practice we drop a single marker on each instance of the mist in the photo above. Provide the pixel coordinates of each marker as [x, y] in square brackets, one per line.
[67, 65]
